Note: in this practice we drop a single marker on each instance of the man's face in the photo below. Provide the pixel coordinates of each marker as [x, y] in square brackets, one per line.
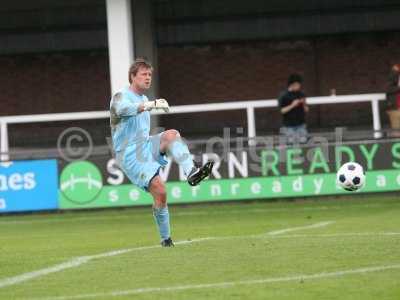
[142, 79]
[295, 87]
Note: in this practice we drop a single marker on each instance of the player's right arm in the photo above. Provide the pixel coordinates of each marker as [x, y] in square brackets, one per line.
[122, 107]
[125, 108]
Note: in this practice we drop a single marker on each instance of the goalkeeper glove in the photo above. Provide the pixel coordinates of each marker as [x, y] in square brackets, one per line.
[156, 104]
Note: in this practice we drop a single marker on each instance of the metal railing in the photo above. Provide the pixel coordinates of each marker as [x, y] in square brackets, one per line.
[249, 106]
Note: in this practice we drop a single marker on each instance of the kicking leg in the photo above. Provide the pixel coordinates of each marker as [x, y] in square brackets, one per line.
[160, 210]
[172, 143]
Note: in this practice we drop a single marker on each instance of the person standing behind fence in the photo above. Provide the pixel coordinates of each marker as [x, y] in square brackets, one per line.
[393, 100]
[293, 106]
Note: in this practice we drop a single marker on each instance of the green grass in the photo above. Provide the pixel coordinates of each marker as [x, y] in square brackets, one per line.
[358, 238]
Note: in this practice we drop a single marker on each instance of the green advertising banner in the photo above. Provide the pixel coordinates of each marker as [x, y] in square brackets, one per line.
[81, 186]
[251, 173]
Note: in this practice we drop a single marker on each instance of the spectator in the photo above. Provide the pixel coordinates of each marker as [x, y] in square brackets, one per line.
[393, 100]
[294, 108]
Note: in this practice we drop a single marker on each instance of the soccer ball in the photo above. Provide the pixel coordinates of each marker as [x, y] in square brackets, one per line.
[351, 176]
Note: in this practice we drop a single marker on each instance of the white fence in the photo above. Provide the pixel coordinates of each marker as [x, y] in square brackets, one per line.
[249, 106]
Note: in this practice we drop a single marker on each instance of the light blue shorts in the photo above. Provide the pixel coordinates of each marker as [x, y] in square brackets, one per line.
[141, 162]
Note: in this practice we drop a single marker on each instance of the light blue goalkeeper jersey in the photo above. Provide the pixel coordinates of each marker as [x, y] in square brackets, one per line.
[128, 127]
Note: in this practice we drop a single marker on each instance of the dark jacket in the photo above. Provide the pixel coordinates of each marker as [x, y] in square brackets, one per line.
[392, 90]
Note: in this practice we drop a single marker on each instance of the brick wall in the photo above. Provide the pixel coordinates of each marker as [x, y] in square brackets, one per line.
[79, 81]
[47, 83]
[258, 70]
[51, 83]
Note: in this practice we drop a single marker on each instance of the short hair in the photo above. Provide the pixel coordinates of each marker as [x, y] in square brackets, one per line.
[295, 78]
[139, 62]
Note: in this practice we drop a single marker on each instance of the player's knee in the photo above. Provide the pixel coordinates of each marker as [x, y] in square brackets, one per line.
[172, 134]
[161, 190]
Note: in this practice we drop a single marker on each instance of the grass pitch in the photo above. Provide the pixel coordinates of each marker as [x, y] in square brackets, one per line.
[338, 248]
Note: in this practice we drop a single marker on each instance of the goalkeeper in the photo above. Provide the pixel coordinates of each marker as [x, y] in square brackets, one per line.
[140, 155]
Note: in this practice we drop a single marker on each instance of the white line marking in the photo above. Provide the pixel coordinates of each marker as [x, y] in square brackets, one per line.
[76, 262]
[300, 277]
[290, 236]
[255, 235]
[316, 225]
[346, 234]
